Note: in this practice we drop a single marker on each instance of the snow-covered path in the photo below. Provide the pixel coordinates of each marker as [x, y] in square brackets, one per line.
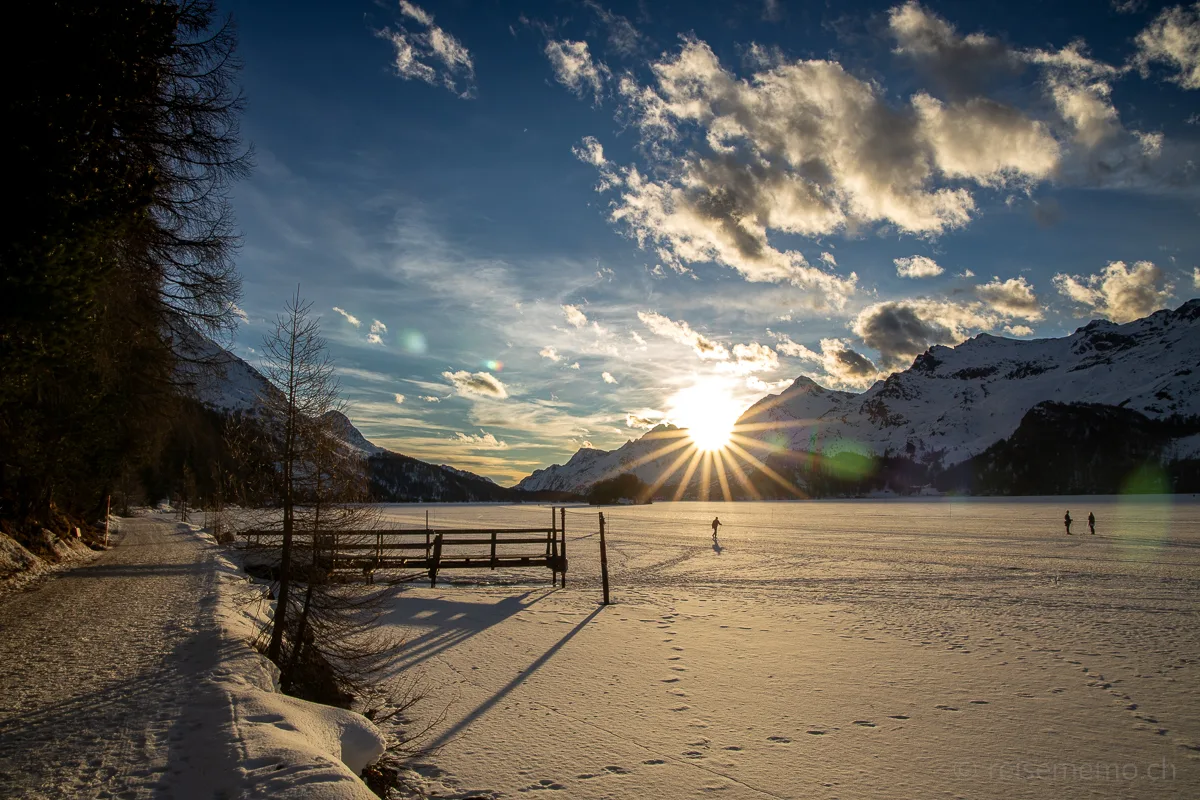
[97, 670]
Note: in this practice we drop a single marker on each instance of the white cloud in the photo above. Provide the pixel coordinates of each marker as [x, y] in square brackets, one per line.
[575, 317]
[480, 441]
[1018, 330]
[430, 54]
[645, 419]
[429, 398]
[754, 357]
[1013, 298]
[476, 384]
[966, 273]
[1196, 277]
[550, 353]
[1118, 292]
[681, 332]
[574, 366]
[399, 398]
[590, 151]
[638, 340]
[608, 378]
[239, 312]
[353, 320]
[841, 364]
[917, 267]
[374, 338]
[378, 327]
[1173, 38]
[829, 259]
[902, 329]
[575, 69]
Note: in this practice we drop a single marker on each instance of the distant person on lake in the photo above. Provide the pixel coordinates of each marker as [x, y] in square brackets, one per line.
[716, 523]
[1067, 522]
[1092, 523]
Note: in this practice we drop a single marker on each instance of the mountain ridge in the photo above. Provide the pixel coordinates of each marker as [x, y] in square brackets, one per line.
[952, 403]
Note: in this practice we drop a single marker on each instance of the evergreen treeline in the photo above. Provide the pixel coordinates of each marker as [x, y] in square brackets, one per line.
[122, 130]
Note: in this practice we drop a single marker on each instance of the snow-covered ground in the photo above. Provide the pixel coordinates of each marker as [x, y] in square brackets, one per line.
[133, 677]
[865, 649]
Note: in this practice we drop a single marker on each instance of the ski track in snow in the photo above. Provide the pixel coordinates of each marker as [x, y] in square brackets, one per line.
[95, 669]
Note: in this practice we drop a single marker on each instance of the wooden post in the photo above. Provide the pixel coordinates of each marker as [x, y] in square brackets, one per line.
[436, 562]
[493, 549]
[107, 514]
[562, 512]
[552, 546]
[603, 559]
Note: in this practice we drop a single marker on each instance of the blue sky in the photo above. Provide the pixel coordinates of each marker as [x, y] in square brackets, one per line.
[530, 226]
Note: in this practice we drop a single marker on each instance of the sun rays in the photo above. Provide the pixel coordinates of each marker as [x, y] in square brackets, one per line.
[716, 449]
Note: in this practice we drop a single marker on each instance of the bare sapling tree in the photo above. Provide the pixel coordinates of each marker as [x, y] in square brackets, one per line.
[298, 365]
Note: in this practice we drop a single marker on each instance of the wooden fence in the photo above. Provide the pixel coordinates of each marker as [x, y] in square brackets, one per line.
[430, 549]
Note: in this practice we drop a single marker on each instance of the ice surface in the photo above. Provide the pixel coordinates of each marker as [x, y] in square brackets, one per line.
[868, 649]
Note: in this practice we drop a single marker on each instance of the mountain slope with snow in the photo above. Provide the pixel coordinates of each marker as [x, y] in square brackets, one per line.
[952, 404]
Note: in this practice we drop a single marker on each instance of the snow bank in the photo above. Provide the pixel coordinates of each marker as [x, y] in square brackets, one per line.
[290, 748]
[15, 558]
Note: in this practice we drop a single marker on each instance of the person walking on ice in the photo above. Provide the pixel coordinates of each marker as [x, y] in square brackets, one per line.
[716, 522]
[1067, 522]
[1092, 523]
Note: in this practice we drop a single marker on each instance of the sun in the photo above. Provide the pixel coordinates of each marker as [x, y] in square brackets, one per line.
[707, 411]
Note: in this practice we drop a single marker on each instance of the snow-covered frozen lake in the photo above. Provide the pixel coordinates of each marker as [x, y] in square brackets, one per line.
[901, 648]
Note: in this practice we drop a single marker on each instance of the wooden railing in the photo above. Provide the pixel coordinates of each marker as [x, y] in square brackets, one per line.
[430, 549]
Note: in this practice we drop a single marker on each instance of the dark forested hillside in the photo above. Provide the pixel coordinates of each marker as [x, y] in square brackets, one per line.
[122, 137]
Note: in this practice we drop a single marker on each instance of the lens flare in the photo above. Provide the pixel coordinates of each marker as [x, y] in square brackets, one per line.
[493, 365]
[413, 342]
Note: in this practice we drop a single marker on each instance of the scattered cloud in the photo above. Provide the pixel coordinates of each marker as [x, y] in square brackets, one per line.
[575, 317]
[430, 54]
[353, 320]
[575, 69]
[429, 398]
[476, 384]
[681, 332]
[1012, 298]
[239, 312]
[590, 151]
[1173, 38]
[378, 327]
[829, 259]
[550, 353]
[374, 338]
[754, 357]
[480, 441]
[902, 329]
[574, 366]
[842, 365]
[917, 267]
[608, 378]
[623, 37]
[1118, 292]
[1196, 277]
[1018, 330]
[399, 398]
[960, 64]
[644, 419]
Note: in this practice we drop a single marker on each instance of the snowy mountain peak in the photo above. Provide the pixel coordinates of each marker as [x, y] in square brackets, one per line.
[953, 402]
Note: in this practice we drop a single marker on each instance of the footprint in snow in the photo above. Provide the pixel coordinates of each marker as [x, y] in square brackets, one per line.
[864, 723]
[898, 716]
[654, 761]
[946, 708]
[779, 739]
[615, 770]
[979, 702]
[732, 747]
[692, 754]
[586, 776]
[817, 732]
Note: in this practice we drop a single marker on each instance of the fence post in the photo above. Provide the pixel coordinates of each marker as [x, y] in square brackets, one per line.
[493, 549]
[436, 562]
[107, 514]
[562, 512]
[603, 559]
